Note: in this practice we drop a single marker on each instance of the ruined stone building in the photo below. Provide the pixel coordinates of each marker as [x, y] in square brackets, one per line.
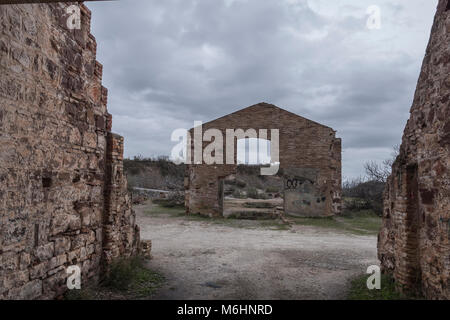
[414, 241]
[63, 195]
[309, 156]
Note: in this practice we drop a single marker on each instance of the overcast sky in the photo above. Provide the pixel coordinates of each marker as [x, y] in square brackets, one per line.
[168, 63]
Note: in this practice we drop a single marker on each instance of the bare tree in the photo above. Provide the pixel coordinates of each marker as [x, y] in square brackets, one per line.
[366, 193]
[377, 172]
[381, 172]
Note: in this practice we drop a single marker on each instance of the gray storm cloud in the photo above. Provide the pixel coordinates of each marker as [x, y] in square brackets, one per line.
[168, 63]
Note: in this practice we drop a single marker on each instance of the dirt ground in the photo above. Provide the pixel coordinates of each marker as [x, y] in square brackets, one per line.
[204, 260]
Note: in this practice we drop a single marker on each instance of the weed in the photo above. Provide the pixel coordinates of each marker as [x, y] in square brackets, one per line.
[80, 294]
[126, 278]
[361, 223]
[238, 194]
[272, 190]
[160, 210]
[132, 276]
[359, 290]
[259, 205]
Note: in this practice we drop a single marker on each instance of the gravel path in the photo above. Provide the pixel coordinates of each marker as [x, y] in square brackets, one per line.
[201, 260]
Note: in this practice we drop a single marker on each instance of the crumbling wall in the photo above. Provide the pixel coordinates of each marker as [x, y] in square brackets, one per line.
[121, 233]
[414, 241]
[304, 146]
[63, 198]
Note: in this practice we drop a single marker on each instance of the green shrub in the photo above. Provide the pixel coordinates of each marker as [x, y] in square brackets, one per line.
[357, 204]
[80, 294]
[121, 273]
[359, 290]
[126, 278]
[252, 193]
[238, 194]
[240, 184]
[259, 205]
[263, 196]
[174, 200]
[131, 275]
[362, 195]
[272, 190]
[166, 167]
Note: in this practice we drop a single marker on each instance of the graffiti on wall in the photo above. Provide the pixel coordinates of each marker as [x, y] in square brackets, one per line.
[302, 196]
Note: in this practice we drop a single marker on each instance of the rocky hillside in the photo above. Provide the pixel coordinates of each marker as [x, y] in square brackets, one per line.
[159, 173]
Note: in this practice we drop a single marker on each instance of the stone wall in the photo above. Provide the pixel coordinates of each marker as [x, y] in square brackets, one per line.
[414, 240]
[121, 234]
[63, 197]
[304, 146]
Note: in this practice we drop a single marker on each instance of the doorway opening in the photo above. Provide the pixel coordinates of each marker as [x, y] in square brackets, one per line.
[247, 193]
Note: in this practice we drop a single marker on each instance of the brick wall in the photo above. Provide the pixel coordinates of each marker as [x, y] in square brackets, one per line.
[63, 195]
[304, 145]
[414, 241]
[121, 234]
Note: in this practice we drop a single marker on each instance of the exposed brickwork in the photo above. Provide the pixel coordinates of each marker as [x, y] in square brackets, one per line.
[304, 145]
[414, 241]
[63, 195]
[121, 234]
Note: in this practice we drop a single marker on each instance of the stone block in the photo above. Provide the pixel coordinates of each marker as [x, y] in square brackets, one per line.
[62, 245]
[45, 252]
[29, 291]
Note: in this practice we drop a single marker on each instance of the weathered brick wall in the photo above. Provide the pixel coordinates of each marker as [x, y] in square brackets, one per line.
[304, 144]
[59, 167]
[121, 234]
[414, 241]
